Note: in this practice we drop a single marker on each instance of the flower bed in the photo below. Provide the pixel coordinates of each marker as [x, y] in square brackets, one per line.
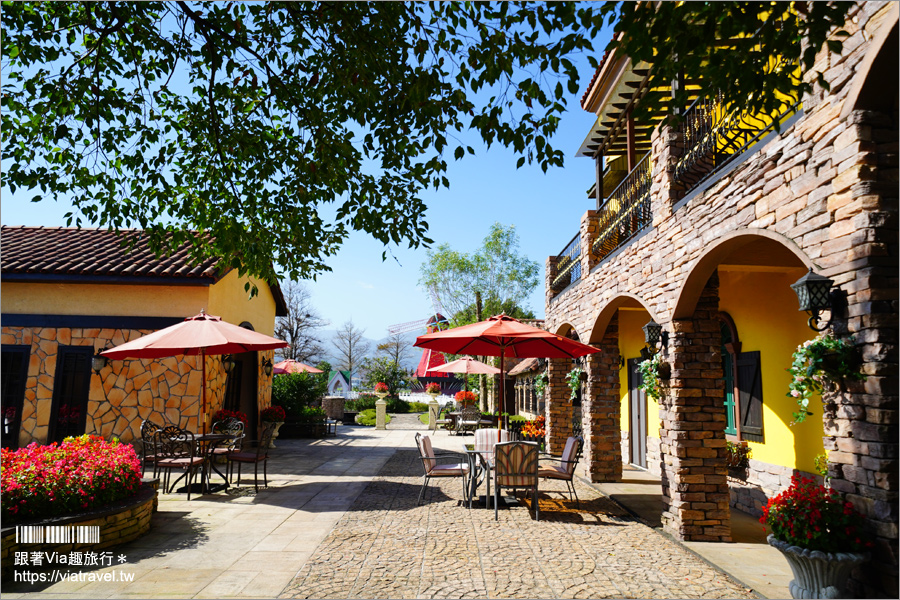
[59, 479]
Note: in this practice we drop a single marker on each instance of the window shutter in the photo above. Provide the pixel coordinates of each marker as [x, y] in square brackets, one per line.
[750, 395]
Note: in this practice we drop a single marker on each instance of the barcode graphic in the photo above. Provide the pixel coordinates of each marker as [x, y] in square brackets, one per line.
[57, 534]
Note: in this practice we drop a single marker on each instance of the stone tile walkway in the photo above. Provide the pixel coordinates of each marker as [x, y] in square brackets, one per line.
[339, 520]
[387, 547]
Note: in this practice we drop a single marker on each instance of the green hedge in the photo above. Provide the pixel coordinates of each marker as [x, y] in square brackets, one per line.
[368, 418]
[418, 407]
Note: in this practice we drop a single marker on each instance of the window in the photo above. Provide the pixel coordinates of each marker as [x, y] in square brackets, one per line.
[13, 375]
[71, 388]
[743, 385]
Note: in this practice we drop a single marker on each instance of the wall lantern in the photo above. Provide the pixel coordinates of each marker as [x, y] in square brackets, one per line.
[98, 361]
[815, 295]
[267, 365]
[228, 363]
[653, 333]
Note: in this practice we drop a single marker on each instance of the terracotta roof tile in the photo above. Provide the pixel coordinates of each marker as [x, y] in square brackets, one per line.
[599, 68]
[66, 251]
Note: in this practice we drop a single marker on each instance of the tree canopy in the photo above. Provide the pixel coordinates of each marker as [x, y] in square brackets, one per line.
[282, 127]
[497, 270]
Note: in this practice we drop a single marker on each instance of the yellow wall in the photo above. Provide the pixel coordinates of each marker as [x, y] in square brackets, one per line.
[102, 299]
[764, 309]
[229, 300]
[226, 299]
[631, 340]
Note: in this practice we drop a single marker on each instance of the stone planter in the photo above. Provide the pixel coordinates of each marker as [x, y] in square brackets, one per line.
[278, 425]
[818, 574]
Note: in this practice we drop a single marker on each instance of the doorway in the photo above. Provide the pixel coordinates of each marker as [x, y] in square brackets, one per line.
[241, 388]
[13, 375]
[71, 388]
[637, 416]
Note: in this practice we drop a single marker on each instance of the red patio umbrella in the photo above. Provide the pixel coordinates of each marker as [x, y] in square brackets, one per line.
[467, 365]
[293, 366]
[503, 336]
[201, 335]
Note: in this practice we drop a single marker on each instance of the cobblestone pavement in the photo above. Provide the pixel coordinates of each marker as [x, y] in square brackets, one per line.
[387, 547]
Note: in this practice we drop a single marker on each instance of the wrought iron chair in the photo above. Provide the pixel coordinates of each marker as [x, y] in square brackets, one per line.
[564, 467]
[176, 450]
[260, 455]
[148, 444]
[515, 467]
[433, 469]
[469, 419]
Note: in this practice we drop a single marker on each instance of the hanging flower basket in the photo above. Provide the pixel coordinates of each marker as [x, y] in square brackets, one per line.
[819, 364]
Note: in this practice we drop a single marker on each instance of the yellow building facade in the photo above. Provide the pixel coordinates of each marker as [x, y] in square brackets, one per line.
[59, 310]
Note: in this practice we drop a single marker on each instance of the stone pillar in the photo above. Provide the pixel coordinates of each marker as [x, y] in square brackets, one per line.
[692, 440]
[381, 414]
[590, 228]
[861, 418]
[558, 406]
[600, 411]
[550, 271]
[433, 411]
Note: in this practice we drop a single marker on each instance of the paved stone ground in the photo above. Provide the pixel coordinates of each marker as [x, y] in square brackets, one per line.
[387, 547]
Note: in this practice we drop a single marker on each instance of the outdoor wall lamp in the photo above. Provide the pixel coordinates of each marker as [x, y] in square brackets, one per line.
[653, 333]
[815, 295]
[228, 363]
[267, 365]
[98, 361]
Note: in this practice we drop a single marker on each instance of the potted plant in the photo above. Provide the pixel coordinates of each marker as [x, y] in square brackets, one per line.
[466, 398]
[381, 389]
[535, 431]
[574, 379]
[433, 389]
[540, 384]
[820, 536]
[817, 365]
[737, 458]
[650, 371]
[273, 414]
[222, 415]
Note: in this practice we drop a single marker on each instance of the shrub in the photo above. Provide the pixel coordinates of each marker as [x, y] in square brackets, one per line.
[273, 413]
[813, 517]
[517, 419]
[396, 405]
[368, 418]
[418, 407]
[224, 415]
[309, 414]
[83, 472]
[294, 391]
[363, 402]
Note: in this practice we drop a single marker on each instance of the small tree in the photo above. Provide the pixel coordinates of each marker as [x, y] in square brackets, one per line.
[395, 348]
[385, 370]
[300, 326]
[350, 347]
[296, 391]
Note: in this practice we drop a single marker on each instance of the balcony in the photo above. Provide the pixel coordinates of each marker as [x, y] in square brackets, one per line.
[626, 212]
[714, 138]
[568, 265]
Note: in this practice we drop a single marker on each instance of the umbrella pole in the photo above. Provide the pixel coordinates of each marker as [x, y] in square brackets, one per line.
[203, 391]
[502, 403]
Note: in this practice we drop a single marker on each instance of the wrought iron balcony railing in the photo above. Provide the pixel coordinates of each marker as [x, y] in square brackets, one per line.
[568, 265]
[714, 137]
[625, 212]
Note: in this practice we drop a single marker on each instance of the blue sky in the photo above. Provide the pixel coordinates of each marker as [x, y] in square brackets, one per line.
[545, 208]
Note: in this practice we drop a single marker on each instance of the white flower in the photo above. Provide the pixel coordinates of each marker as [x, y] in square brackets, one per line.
[795, 393]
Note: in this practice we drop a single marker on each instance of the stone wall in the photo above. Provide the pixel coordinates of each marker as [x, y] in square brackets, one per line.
[119, 523]
[825, 190]
[334, 407]
[126, 391]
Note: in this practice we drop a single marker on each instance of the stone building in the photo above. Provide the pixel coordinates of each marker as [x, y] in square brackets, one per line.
[702, 227]
[70, 293]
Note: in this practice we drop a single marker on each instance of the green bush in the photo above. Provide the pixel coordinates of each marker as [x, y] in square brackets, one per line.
[296, 391]
[517, 419]
[309, 414]
[396, 405]
[363, 402]
[418, 407]
[367, 418]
